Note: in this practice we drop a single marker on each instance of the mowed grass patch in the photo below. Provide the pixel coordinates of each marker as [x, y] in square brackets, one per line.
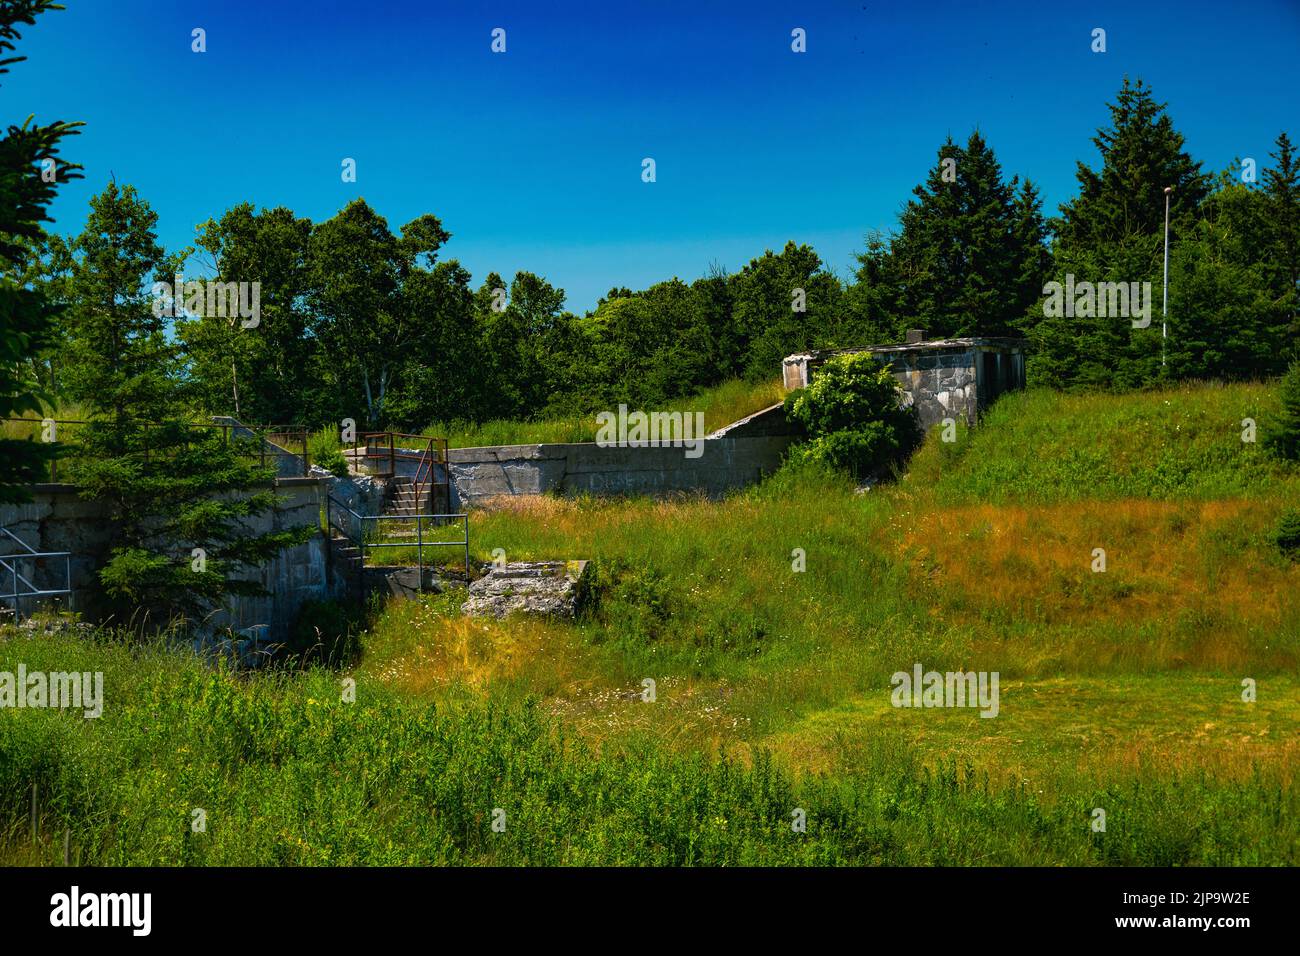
[1045, 731]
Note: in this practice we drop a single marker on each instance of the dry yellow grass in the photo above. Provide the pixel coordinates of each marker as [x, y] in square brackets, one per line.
[1035, 564]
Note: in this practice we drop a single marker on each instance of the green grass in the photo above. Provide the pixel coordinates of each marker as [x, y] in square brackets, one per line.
[286, 773]
[721, 406]
[1120, 690]
[1175, 443]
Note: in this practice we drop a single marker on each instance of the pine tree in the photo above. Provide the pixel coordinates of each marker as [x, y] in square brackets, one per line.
[968, 257]
[1226, 318]
[1113, 231]
[1282, 437]
[1282, 186]
[30, 170]
[174, 493]
[1141, 154]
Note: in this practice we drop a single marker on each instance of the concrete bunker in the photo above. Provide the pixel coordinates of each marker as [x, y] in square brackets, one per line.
[941, 378]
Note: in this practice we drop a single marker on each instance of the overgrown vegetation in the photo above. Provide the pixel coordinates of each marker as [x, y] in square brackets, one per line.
[853, 416]
[1120, 689]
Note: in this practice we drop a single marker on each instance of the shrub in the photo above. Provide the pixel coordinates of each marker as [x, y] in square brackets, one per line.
[1283, 438]
[1288, 535]
[326, 452]
[852, 415]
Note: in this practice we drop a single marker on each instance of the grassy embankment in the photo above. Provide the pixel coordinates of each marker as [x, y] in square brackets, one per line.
[1119, 690]
[721, 405]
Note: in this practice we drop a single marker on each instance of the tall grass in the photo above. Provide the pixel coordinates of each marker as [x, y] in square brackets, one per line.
[721, 406]
[286, 773]
[1120, 690]
[1042, 445]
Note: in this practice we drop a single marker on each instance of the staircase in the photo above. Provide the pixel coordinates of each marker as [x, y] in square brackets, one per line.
[405, 523]
[409, 499]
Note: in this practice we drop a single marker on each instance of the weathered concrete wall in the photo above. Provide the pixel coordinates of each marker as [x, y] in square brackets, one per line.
[296, 574]
[938, 385]
[59, 520]
[55, 520]
[765, 423]
[951, 378]
[725, 463]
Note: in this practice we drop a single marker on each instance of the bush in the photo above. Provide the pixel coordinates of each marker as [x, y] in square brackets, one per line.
[1288, 535]
[325, 451]
[852, 415]
[1283, 438]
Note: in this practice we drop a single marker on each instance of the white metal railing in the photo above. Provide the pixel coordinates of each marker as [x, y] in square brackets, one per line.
[22, 587]
[363, 543]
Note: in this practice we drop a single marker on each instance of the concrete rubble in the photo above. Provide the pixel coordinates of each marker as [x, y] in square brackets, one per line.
[550, 588]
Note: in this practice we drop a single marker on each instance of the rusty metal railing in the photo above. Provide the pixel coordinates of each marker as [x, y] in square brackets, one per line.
[430, 472]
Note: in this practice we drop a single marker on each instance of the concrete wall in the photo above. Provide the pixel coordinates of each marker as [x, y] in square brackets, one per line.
[59, 520]
[952, 378]
[726, 463]
[938, 385]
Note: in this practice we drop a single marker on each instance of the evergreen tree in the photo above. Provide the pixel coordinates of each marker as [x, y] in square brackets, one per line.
[1282, 186]
[168, 487]
[1226, 320]
[29, 173]
[1141, 154]
[1113, 231]
[968, 258]
[1282, 437]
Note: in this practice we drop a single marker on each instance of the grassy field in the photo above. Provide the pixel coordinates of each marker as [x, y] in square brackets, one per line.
[1120, 690]
[721, 406]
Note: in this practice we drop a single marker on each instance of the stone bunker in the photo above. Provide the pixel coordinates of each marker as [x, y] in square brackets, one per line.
[943, 378]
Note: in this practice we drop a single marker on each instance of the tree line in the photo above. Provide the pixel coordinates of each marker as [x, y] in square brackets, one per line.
[360, 320]
[356, 320]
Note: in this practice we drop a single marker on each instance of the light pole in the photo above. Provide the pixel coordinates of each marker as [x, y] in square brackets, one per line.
[1164, 312]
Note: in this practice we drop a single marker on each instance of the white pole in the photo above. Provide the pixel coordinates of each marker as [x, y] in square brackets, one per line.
[1164, 316]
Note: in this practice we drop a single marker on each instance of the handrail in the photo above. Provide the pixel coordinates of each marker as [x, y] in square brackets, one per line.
[29, 588]
[427, 451]
[6, 531]
[420, 544]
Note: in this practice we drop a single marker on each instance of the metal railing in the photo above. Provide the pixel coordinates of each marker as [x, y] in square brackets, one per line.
[23, 587]
[365, 532]
[429, 454]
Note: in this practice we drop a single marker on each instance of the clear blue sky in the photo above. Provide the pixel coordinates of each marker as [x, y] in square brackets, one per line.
[532, 158]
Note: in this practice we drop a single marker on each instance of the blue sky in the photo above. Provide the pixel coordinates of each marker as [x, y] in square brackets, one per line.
[532, 158]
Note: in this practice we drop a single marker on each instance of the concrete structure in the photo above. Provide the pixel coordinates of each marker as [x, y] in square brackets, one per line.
[554, 588]
[946, 378]
[731, 458]
[58, 519]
